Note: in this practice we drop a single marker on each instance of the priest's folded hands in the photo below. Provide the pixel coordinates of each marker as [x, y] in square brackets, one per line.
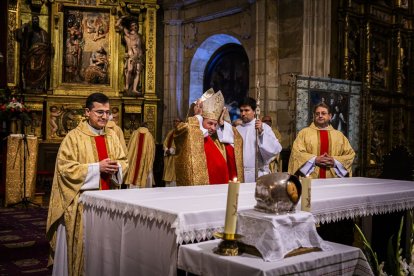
[108, 166]
[324, 160]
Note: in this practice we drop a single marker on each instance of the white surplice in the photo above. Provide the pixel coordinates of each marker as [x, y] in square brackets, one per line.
[269, 147]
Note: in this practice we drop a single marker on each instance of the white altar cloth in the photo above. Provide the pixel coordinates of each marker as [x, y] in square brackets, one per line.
[136, 231]
[274, 236]
[336, 199]
[341, 260]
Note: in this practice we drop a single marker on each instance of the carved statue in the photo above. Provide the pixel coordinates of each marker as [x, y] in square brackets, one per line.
[74, 48]
[35, 55]
[134, 58]
[97, 71]
[54, 115]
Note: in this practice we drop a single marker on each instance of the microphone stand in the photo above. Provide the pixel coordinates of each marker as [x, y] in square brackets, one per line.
[25, 200]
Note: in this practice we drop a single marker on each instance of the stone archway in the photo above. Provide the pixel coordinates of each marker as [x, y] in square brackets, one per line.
[200, 60]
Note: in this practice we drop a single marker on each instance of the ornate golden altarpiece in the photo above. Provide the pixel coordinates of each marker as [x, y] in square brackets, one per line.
[88, 54]
[376, 47]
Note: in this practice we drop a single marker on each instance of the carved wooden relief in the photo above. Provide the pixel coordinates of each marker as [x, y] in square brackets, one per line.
[12, 50]
[380, 58]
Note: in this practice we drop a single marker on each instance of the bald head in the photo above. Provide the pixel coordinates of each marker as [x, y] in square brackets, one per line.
[267, 120]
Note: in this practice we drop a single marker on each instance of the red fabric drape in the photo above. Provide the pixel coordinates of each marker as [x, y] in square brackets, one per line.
[324, 148]
[216, 164]
[103, 154]
[140, 145]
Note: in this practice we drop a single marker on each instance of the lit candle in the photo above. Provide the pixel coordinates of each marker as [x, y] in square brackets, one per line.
[231, 209]
[306, 194]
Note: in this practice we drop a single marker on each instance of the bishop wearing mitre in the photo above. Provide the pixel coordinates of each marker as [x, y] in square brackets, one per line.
[202, 157]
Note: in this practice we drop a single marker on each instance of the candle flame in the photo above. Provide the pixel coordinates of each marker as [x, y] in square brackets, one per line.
[235, 179]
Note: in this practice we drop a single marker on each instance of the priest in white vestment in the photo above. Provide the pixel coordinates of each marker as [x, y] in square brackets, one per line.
[268, 144]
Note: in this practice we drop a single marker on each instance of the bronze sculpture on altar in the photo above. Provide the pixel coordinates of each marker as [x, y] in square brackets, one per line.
[134, 57]
[277, 193]
[35, 56]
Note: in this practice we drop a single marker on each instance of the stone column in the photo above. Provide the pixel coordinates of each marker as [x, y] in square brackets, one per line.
[173, 69]
[316, 38]
[271, 60]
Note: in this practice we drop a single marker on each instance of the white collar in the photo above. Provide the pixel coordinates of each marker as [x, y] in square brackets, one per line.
[95, 130]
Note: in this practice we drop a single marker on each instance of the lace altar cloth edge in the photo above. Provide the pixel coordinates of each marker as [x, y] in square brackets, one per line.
[389, 196]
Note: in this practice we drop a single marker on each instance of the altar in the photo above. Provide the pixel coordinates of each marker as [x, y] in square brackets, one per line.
[137, 232]
[341, 260]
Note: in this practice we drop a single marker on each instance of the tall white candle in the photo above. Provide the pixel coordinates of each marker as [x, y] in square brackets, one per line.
[306, 194]
[231, 209]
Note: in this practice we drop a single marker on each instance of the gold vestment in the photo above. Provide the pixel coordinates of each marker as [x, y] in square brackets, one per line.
[307, 146]
[76, 152]
[190, 162]
[276, 164]
[112, 125]
[169, 160]
[146, 160]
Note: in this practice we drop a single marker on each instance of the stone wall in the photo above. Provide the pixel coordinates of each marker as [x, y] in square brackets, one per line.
[281, 38]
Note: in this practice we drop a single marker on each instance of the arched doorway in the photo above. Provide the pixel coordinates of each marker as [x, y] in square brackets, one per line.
[210, 58]
[228, 71]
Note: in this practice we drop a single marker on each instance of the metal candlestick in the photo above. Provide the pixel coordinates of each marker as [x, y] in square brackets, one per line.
[229, 246]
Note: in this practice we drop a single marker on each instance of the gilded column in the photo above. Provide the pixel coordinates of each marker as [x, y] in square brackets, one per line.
[400, 56]
[368, 56]
[346, 48]
[151, 100]
[150, 62]
[12, 47]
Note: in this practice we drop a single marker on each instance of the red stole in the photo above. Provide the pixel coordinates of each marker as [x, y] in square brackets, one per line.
[103, 154]
[324, 148]
[231, 161]
[140, 145]
[216, 164]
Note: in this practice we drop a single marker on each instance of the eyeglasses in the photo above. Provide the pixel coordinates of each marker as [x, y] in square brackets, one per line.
[100, 113]
[321, 113]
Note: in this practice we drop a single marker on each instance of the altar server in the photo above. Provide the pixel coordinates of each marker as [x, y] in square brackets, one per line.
[169, 157]
[90, 157]
[267, 143]
[320, 151]
[112, 125]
